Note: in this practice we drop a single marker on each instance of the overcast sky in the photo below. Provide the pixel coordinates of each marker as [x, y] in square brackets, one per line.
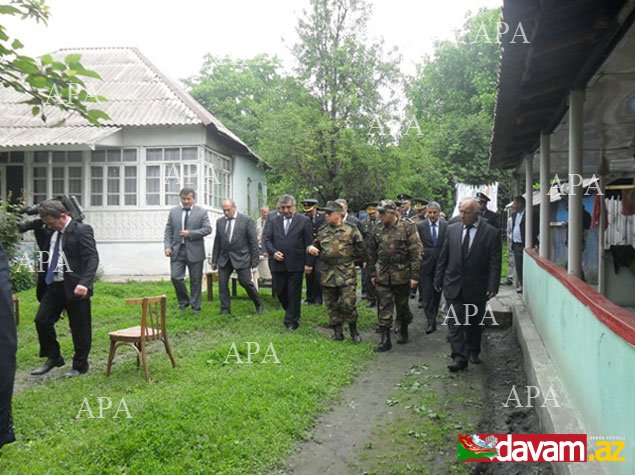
[176, 35]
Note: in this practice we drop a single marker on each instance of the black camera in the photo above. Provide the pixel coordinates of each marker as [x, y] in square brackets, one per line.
[71, 204]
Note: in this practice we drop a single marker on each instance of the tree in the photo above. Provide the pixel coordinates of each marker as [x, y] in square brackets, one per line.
[44, 81]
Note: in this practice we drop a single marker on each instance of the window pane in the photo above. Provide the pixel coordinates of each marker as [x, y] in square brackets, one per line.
[130, 155]
[153, 200]
[96, 200]
[154, 154]
[153, 186]
[39, 172]
[58, 172]
[59, 156]
[190, 153]
[172, 154]
[113, 200]
[75, 156]
[41, 157]
[113, 155]
[74, 172]
[98, 156]
[130, 200]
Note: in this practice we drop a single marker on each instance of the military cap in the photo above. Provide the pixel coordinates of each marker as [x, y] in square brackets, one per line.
[482, 197]
[371, 207]
[309, 204]
[419, 203]
[332, 206]
[386, 205]
[404, 197]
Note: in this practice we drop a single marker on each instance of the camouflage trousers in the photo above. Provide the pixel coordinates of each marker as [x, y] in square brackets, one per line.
[340, 304]
[393, 296]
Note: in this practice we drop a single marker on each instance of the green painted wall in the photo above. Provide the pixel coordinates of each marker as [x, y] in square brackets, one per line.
[596, 366]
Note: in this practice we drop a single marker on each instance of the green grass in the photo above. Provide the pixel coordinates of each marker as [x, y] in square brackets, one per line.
[205, 416]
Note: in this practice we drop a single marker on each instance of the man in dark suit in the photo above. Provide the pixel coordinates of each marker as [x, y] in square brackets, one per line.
[8, 347]
[69, 274]
[184, 244]
[468, 271]
[518, 234]
[287, 238]
[235, 249]
[432, 233]
[313, 287]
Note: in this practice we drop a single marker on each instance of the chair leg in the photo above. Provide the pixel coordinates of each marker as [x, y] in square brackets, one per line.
[169, 351]
[144, 360]
[136, 345]
[111, 356]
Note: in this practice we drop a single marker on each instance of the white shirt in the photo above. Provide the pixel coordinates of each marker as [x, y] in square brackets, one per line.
[58, 276]
[516, 234]
[230, 223]
[472, 234]
[287, 224]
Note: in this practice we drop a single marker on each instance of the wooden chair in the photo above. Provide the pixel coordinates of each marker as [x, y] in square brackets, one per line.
[152, 328]
[16, 309]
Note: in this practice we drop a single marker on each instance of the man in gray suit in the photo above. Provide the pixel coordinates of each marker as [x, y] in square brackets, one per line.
[235, 249]
[187, 225]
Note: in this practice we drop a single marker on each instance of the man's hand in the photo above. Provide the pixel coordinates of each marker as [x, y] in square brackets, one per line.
[413, 283]
[214, 267]
[278, 256]
[254, 264]
[314, 251]
[491, 295]
[373, 281]
[81, 291]
[168, 252]
[438, 288]
[185, 234]
[308, 270]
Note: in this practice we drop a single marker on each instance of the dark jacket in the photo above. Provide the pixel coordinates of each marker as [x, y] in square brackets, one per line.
[430, 251]
[242, 250]
[536, 226]
[480, 273]
[293, 245]
[8, 347]
[82, 259]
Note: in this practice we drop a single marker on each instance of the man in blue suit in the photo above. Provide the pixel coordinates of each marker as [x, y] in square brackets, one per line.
[286, 240]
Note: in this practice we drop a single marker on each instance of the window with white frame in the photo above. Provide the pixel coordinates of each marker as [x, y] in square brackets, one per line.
[168, 170]
[57, 173]
[217, 178]
[114, 177]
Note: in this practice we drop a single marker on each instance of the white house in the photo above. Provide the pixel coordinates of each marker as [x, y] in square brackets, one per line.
[128, 173]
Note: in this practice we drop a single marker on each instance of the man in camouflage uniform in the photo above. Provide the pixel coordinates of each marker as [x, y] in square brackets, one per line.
[394, 256]
[368, 226]
[420, 207]
[342, 248]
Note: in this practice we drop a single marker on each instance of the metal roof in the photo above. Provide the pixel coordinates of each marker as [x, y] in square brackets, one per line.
[46, 136]
[138, 95]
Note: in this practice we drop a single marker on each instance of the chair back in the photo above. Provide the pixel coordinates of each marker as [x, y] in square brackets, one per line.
[152, 316]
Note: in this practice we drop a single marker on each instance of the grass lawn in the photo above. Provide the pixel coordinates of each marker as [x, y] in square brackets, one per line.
[205, 416]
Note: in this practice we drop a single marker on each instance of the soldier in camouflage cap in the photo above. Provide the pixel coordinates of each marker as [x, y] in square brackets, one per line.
[342, 248]
[394, 256]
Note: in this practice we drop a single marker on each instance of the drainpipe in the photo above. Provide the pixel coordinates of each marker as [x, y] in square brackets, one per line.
[545, 170]
[576, 136]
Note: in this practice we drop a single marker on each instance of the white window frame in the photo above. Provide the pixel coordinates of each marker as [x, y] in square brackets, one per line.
[114, 159]
[65, 164]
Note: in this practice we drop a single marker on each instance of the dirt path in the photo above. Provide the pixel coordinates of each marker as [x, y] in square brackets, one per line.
[403, 414]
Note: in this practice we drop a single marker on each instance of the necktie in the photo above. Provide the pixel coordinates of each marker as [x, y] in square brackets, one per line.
[187, 215]
[50, 272]
[466, 241]
[434, 234]
[287, 221]
[228, 228]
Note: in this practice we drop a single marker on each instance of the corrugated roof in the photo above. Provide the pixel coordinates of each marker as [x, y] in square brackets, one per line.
[47, 136]
[138, 95]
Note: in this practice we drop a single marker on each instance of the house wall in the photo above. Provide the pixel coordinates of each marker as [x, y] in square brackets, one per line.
[596, 365]
[246, 178]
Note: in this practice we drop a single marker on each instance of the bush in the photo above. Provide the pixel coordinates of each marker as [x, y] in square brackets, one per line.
[21, 277]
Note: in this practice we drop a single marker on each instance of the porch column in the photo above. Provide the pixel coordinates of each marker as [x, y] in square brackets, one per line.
[529, 200]
[576, 133]
[545, 171]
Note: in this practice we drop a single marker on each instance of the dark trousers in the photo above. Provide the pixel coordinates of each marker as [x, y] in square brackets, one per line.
[244, 279]
[79, 319]
[465, 339]
[518, 250]
[177, 272]
[288, 289]
[430, 298]
[313, 287]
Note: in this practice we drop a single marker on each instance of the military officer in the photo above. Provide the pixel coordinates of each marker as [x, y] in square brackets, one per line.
[487, 214]
[420, 207]
[341, 246]
[313, 289]
[405, 205]
[394, 255]
[369, 225]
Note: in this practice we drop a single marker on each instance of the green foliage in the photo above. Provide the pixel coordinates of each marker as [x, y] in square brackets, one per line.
[9, 234]
[205, 415]
[44, 81]
[22, 277]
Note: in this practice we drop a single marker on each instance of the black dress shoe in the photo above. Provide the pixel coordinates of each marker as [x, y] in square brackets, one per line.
[197, 312]
[474, 359]
[430, 329]
[48, 366]
[456, 367]
[73, 373]
[259, 309]
[183, 307]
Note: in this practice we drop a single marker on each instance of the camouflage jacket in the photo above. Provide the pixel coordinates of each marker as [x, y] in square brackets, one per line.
[394, 253]
[369, 227]
[341, 248]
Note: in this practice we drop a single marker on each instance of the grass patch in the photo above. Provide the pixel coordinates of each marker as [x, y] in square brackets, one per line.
[205, 416]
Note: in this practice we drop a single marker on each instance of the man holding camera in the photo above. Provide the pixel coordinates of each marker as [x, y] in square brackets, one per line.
[69, 273]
